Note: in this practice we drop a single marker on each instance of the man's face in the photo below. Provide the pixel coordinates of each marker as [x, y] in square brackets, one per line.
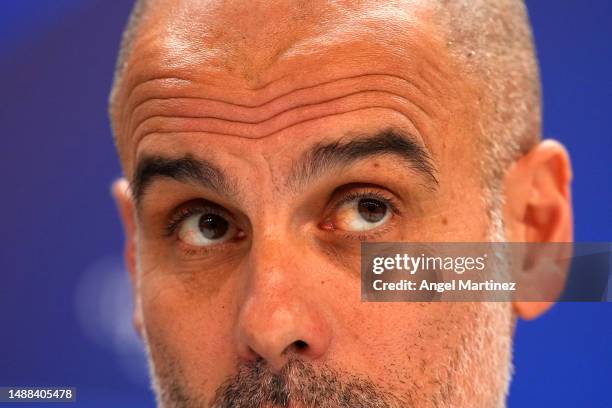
[264, 142]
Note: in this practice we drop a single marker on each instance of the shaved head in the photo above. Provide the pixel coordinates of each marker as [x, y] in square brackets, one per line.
[264, 141]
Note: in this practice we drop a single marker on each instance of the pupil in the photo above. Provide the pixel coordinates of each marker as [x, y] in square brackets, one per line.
[213, 226]
[371, 210]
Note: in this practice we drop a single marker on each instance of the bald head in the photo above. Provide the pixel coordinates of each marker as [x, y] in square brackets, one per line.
[492, 42]
[265, 140]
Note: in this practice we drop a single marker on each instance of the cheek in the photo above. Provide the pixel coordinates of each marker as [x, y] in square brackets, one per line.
[389, 331]
[184, 331]
[418, 346]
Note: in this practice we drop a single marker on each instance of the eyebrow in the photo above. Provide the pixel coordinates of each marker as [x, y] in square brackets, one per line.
[186, 169]
[324, 158]
[320, 159]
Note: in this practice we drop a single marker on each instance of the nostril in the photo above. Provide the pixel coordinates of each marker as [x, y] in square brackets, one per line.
[300, 345]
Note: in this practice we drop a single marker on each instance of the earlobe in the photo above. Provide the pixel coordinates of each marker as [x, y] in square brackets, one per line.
[531, 310]
[125, 204]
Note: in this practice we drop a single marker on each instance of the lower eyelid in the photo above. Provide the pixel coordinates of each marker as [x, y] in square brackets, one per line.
[372, 234]
[193, 251]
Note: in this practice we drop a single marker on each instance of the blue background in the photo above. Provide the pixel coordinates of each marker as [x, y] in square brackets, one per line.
[64, 302]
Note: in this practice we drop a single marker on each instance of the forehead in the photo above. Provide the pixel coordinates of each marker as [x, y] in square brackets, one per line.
[246, 68]
[268, 27]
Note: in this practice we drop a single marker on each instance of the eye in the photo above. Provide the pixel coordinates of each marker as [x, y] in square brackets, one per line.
[206, 228]
[362, 214]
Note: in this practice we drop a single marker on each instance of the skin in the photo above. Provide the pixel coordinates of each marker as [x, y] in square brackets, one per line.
[211, 81]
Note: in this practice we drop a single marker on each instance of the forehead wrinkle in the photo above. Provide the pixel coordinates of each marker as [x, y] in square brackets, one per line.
[382, 84]
[160, 81]
[271, 116]
[266, 94]
[260, 99]
[269, 92]
[185, 30]
[135, 126]
[270, 133]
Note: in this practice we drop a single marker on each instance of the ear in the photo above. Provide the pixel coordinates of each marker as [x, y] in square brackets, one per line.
[538, 204]
[125, 203]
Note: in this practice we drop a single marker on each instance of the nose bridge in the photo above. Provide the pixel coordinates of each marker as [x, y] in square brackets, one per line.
[279, 314]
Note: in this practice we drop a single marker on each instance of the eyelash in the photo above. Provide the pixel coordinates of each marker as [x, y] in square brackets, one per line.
[357, 195]
[188, 209]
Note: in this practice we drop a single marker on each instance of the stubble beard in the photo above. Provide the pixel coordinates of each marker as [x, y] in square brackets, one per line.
[304, 384]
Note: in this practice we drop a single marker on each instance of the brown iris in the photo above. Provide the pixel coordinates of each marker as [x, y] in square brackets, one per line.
[371, 210]
[213, 226]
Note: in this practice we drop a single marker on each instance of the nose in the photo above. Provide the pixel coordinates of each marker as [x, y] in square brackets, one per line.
[281, 312]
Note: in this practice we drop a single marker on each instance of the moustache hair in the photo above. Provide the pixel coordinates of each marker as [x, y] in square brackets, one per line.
[299, 384]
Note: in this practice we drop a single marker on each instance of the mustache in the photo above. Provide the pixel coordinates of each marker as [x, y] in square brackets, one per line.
[300, 384]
